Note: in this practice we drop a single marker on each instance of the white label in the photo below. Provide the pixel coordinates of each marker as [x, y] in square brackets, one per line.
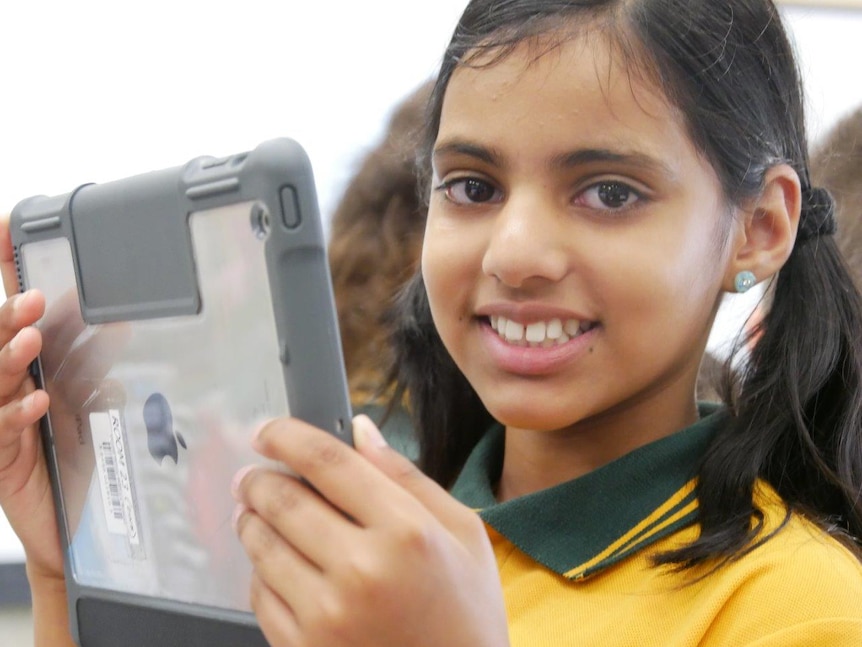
[109, 446]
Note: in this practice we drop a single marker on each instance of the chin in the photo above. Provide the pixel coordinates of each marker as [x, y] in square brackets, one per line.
[531, 417]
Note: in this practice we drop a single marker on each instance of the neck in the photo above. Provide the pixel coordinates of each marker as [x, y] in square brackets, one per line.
[536, 460]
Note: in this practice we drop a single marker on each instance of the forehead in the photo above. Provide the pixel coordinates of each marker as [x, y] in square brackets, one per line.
[580, 89]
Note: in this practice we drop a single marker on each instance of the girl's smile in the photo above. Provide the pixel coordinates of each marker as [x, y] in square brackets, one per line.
[535, 358]
[534, 339]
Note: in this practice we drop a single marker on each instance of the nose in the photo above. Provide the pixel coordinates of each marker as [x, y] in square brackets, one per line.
[526, 243]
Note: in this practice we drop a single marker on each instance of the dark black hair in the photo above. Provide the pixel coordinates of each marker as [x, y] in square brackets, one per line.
[796, 414]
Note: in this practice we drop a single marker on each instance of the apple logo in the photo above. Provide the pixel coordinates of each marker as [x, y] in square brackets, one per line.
[161, 437]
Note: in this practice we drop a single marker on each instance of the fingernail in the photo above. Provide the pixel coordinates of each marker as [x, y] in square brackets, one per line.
[237, 479]
[22, 298]
[237, 513]
[365, 432]
[27, 401]
[255, 435]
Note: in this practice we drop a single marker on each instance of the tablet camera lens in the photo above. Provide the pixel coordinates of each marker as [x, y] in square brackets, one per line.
[260, 221]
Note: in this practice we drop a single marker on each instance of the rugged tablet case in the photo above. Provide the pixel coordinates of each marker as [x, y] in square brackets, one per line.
[185, 306]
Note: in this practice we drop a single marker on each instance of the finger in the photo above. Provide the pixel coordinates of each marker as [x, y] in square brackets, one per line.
[15, 360]
[7, 257]
[276, 619]
[300, 515]
[336, 470]
[16, 416]
[370, 443]
[279, 566]
[20, 311]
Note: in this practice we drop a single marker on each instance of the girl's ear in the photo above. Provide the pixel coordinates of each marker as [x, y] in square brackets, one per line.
[767, 233]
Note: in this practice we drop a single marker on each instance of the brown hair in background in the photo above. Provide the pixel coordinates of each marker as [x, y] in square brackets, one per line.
[836, 164]
[375, 243]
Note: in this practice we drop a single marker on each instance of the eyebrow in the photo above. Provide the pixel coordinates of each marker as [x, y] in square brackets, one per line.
[564, 161]
[629, 158]
[481, 153]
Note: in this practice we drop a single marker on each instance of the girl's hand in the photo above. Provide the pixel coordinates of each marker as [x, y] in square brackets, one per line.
[25, 489]
[376, 554]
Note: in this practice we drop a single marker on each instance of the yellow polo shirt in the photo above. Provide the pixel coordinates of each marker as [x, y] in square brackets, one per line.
[575, 563]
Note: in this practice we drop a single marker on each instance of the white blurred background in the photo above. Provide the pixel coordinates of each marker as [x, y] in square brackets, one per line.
[96, 90]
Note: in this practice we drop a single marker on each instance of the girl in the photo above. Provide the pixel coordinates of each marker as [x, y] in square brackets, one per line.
[602, 172]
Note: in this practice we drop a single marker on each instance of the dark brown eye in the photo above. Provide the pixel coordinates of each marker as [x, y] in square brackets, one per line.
[608, 195]
[478, 191]
[613, 194]
[471, 191]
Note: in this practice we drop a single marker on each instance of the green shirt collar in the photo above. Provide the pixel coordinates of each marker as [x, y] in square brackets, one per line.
[579, 527]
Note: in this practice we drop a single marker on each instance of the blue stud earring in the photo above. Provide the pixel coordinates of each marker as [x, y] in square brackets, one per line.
[744, 281]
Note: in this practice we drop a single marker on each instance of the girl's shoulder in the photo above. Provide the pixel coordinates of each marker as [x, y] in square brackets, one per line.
[791, 539]
[798, 583]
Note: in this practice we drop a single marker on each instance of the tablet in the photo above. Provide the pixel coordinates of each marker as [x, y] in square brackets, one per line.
[184, 307]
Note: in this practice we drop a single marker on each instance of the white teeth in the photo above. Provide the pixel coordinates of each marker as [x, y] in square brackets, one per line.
[514, 331]
[536, 332]
[539, 333]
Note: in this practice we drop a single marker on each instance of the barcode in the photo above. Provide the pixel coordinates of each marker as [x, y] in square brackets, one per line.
[112, 481]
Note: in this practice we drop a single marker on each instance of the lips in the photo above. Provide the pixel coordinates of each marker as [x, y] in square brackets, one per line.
[534, 346]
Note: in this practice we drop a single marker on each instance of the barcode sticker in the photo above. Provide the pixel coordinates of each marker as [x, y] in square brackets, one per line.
[110, 489]
[111, 465]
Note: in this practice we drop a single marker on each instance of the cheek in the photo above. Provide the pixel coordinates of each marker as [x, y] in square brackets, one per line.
[665, 275]
[451, 258]
[433, 270]
[696, 272]
[442, 283]
[682, 287]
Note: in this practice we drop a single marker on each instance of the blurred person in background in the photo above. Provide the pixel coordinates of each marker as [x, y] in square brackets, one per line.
[374, 247]
[836, 164]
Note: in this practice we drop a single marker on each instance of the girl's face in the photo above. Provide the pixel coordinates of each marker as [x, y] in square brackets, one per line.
[575, 245]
